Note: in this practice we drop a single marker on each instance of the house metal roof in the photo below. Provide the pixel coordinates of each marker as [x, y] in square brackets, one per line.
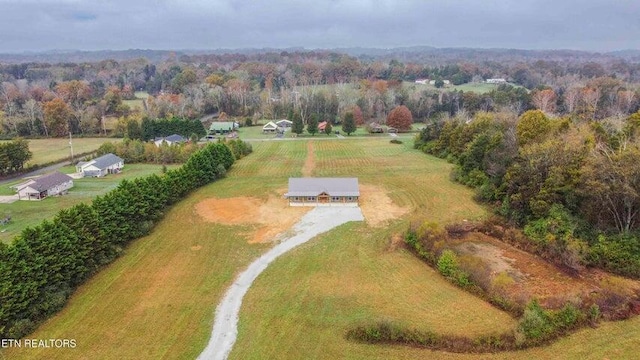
[104, 161]
[316, 186]
[172, 138]
[221, 125]
[50, 180]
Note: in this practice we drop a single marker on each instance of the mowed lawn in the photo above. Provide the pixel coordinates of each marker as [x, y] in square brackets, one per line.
[50, 150]
[158, 300]
[31, 213]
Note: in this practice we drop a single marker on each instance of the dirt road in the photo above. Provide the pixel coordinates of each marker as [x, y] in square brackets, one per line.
[225, 327]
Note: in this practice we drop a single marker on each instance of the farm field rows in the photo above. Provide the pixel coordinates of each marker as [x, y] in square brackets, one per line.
[31, 213]
[51, 150]
[158, 300]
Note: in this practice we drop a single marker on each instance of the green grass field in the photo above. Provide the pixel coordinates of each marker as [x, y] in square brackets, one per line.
[50, 150]
[31, 213]
[480, 88]
[158, 300]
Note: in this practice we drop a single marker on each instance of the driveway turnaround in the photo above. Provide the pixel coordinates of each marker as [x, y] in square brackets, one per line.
[225, 327]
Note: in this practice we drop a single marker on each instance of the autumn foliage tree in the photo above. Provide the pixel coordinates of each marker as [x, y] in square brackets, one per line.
[400, 118]
[56, 116]
[357, 115]
[545, 100]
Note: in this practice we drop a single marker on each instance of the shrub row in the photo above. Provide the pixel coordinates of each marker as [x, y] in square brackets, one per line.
[44, 264]
[536, 327]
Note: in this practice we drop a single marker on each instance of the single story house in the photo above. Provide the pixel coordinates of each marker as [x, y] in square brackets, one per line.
[323, 192]
[270, 127]
[55, 183]
[496, 81]
[223, 127]
[322, 126]
[284, 123]
[170, 140]
[422, 81]
[105, 164]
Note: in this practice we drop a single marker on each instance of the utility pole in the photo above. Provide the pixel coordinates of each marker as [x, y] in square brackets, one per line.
[71, 147]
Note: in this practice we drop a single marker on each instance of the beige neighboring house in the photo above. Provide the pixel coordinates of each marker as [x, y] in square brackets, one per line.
[52, 184]
[98, 167]
[270, 127]
[323, 192]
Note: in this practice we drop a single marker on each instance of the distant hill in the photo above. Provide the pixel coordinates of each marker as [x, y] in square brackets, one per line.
[421, 54]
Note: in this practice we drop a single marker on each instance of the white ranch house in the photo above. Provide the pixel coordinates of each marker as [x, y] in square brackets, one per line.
[170, 140]
[98, 167]
[52, 184]
[323, 192]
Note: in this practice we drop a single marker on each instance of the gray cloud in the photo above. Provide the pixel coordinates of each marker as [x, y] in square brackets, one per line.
[200, 24]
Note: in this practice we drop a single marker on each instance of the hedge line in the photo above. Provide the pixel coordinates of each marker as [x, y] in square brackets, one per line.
[44, 264]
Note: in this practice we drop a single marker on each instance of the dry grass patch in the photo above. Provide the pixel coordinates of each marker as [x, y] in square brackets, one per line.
[377, 206]
[270, 218]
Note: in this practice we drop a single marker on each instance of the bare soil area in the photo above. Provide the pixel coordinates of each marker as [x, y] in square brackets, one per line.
[533, 275]
[377, 206]
[271, 217]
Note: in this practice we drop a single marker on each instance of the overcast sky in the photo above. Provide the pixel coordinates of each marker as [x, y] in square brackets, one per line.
[599, 25]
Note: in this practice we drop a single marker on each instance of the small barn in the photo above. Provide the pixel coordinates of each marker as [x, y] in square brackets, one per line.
[55, 183]
[101, 166]
[270, 127]
[322, 126]
[323, 192]
[170, 140]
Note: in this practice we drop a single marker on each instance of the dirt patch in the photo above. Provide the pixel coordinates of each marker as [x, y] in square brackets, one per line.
[310, 161]
[377, 206]
[494, 257]
[395, 242]
[196, 248]
[270, 217]
[534, 276]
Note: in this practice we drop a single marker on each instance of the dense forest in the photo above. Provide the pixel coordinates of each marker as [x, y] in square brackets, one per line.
[573, 185]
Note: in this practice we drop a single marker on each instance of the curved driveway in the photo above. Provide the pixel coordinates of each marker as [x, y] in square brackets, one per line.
[225, 327]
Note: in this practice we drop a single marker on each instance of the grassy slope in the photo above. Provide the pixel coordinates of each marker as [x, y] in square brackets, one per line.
[157, 301]
[49, 150]
[31, 213]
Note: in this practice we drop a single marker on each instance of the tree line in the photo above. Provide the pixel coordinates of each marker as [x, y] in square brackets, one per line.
[44, 264]
[573, 185]
[55, 99]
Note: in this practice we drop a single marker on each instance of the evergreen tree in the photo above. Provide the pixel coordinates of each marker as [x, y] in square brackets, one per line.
[328, 128]
[312, 126]
[348, 123]
[297, 127]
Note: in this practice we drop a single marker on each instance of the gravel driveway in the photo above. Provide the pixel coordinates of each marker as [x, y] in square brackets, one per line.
[225, 327]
